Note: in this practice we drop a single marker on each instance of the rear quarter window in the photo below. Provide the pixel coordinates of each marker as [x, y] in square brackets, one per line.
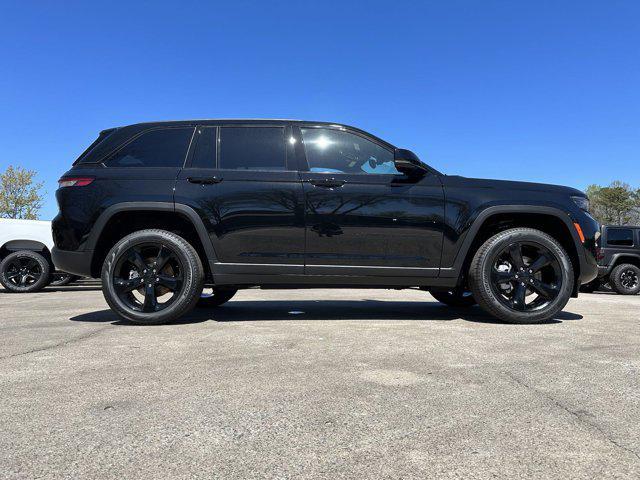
[620, 237]
[165, 147]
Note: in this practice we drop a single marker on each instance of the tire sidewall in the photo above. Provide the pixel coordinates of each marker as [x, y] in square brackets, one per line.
[192, 272]
[483, 285]
[34, 287]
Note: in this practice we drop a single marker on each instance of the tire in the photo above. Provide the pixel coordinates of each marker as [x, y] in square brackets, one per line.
[216, 298]
[504, 272]
[131, 284]
[625, 279]
[24, 272]
[61, 279]
[590, 287]
[454, 298]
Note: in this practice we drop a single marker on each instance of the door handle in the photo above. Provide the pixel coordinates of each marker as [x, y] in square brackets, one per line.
[204, 180]
[327, 182]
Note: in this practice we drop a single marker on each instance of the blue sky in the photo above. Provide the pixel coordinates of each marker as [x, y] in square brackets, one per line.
[544, 91]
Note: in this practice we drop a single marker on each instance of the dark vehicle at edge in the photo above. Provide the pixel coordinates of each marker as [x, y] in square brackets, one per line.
[161, 210]
[618, 260]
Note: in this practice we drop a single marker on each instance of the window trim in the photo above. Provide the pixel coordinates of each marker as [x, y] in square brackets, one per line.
[109, 155]
[340, 128]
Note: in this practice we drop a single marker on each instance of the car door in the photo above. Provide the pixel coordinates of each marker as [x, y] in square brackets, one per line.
[241, 181]
[362, 216]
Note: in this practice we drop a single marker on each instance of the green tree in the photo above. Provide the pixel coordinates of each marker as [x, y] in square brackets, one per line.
[20, 197]
[617, 204]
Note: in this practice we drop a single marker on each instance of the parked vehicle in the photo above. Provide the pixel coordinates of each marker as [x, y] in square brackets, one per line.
[157, 210]
[25, 256]
[618, 260]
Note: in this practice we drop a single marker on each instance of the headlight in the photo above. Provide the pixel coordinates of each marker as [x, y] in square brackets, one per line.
[581, 202]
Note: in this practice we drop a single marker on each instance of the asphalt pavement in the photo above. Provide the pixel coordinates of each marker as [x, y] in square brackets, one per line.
[317, 384]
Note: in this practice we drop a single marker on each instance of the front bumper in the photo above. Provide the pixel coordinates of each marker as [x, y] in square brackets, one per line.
[76, 262]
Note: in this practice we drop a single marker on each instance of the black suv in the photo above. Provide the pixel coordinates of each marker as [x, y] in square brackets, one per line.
[619, 259]
[162, 210]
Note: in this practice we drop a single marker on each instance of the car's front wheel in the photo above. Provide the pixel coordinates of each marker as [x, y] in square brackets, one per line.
[625, 279]
[152, 277]
[521, 275]
[24, 272]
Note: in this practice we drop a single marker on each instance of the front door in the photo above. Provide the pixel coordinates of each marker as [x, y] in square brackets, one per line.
[240, 181]
[362, 216]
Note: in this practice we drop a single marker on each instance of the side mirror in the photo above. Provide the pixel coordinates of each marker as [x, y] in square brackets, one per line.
[409, 164]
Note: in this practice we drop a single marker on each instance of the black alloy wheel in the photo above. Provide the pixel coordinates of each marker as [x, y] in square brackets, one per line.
[526, 276]
[24, 272]
[629, 279]
[521, 275]
[60, 279]
[147, 277]
[152, 276]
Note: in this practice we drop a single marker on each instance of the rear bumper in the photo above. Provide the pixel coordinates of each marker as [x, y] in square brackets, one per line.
[76, 262]
[603, 270]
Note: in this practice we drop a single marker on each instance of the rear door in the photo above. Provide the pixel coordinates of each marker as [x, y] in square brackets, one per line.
[242, 181]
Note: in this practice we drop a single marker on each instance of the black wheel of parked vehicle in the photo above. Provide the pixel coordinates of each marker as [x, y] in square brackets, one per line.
[24, 272]
[213, 297]
[625, 279]
[454, 298]
[152, 277]
[590, 287]
[60, 279]
[521, 275]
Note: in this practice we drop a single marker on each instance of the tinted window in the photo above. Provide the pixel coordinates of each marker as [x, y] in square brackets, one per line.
[205, 152]
[252, 148]
[620, 237]
[335, 151]
[156, 148]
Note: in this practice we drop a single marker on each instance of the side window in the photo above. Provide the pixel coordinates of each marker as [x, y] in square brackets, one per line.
[620, 237]
[156, 148]
[204, 155]
[335, 151]
[252, 148]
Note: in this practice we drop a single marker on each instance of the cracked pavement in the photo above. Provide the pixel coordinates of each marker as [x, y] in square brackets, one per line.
[318, 384]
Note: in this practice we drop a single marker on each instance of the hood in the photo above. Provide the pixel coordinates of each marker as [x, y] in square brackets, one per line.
[458, 181]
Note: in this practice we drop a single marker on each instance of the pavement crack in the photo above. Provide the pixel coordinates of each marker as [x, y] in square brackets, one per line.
[77, 339]
[576, 414]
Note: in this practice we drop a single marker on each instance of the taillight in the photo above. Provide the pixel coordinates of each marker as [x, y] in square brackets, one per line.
[74, 182]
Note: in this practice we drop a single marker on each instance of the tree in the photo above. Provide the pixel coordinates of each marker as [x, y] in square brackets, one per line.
[20, 197]
[616, 204]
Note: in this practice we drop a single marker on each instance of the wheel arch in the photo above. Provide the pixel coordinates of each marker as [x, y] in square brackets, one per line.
[494, 219]
[121, 219]
[621, 258]
[25, 244]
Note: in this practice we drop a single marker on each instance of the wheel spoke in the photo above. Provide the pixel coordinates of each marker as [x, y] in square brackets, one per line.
[546, 290]
[515, 252]
[172, 283]
[150, 301]
[23, 281]
[127, 285]
[13, 275]
[541, 262]
[519, 295]
[133, 256]
[502, 277]
[164, 254]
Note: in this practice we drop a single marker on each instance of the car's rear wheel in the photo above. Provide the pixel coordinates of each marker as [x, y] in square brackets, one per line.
[521, 275]
[152, 277]
[625, 279]
[214, 297]
[60, 279]
[24, 272]
[456, 297]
